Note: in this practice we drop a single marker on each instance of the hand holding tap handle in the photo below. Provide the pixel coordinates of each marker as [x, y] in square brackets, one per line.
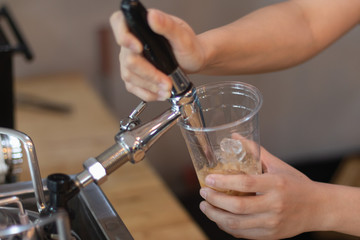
[156, 48]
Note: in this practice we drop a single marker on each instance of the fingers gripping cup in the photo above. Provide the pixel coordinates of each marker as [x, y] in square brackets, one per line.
[228, 140]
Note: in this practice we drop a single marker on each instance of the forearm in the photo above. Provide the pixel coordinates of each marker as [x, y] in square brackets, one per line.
[278, 36]
[339, 209]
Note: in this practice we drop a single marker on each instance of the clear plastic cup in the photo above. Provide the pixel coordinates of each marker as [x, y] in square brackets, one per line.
[228, 142]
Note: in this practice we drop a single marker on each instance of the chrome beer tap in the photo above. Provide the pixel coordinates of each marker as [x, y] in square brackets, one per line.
[134, 140]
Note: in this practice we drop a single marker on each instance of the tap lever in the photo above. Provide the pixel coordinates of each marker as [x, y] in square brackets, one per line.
[138, 110]
[133, 120]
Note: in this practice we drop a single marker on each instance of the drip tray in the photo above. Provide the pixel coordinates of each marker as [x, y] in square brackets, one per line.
[93, 217]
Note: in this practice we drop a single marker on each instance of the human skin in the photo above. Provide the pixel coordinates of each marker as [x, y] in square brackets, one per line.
[272, 38]
[287, 203]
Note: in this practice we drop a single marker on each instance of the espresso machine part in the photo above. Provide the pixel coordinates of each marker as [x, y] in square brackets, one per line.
[88, 207]
[30, 152]
[18, 223]
[22, 214]
[10, 158]
[33, 230]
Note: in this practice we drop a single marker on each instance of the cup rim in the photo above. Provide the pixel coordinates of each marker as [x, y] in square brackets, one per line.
[255, 91]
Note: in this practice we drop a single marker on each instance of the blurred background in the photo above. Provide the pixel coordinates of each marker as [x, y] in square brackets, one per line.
[310, 115]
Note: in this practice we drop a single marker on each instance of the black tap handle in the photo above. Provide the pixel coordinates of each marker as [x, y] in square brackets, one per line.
[157, 49]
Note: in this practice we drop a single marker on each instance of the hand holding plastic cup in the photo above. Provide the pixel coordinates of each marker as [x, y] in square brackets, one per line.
[228, 142]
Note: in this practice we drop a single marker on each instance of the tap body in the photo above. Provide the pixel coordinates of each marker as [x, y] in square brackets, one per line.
[131, 145]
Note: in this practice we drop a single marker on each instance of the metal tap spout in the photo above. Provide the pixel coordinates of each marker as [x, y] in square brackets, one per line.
[132, 144]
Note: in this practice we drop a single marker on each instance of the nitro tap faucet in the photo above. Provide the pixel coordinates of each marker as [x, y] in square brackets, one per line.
[134, 139]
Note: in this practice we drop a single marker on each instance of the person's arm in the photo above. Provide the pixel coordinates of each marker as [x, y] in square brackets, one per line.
[287, 203]
[278, 36]
[271, 38]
